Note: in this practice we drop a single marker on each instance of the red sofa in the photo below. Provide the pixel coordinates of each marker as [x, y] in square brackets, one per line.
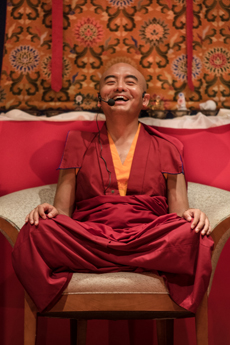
[30, 152]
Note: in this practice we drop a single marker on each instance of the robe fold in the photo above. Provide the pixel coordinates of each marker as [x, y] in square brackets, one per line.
[109, 232]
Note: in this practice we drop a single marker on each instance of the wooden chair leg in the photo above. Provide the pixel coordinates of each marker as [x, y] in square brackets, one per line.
[165, 332]
[73, 331]
[30, 322]
[201, 320]
[78, 330]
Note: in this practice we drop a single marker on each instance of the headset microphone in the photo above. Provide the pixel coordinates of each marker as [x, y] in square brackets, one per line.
[110, 102]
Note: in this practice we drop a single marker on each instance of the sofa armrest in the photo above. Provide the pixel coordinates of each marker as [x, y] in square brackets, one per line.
[15, 206]
[220, 236]
[9, 230]
[214, 202]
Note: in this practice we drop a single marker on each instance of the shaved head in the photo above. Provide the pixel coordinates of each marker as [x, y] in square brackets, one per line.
[132, 72]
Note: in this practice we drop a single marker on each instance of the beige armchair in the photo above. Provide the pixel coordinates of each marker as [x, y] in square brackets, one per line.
[119, 295]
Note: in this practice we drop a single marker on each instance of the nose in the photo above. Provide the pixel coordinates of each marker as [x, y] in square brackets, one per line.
[120, 85]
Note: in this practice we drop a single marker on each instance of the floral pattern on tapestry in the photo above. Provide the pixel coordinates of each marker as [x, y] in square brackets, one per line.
[148, 34]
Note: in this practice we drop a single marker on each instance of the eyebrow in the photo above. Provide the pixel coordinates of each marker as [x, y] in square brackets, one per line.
[126, 77]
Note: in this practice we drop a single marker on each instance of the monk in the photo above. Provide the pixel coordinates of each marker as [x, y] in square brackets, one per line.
[120, 205]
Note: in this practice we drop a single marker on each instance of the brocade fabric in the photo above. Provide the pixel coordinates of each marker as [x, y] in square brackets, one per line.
[150, 35]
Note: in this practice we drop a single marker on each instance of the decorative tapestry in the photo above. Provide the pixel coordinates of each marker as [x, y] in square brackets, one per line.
[56, 51]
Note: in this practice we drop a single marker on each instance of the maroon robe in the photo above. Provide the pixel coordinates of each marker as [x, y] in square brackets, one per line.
[109, 232]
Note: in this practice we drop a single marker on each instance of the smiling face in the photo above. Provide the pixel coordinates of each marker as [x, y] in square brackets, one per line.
[125, 85]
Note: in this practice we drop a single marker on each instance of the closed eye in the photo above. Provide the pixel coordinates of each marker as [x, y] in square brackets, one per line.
[130, 82]
[131, 79]
[110, 82]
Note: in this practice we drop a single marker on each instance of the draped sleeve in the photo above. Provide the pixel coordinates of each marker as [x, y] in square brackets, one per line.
[171, 151]
[76, 145]
[171, 158]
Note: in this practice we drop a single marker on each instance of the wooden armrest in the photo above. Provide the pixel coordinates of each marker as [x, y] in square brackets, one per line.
[220, 236]
[9, 230]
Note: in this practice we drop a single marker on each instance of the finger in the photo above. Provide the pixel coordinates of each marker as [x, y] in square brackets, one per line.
[42, 210]
[31, 217]
[206, 227]
[187, 216]
[209, 230]
[196, 218]
[201, 222]
[52, 213]
[36, 216]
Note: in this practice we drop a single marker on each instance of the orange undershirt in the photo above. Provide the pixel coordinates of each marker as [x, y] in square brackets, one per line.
[123, 170]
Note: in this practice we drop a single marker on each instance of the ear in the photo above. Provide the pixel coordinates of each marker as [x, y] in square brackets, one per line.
[145, 100]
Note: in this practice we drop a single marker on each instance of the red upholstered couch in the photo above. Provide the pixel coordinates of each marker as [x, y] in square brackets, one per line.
[30, 152]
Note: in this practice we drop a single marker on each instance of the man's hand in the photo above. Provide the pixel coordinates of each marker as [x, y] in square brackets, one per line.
[199, 221]
[43, 211]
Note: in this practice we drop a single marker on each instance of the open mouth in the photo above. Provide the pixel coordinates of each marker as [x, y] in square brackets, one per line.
[120, 99]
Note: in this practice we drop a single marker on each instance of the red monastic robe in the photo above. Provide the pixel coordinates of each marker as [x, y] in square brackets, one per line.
[109, 232]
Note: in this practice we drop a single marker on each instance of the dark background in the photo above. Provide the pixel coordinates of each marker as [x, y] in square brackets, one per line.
[2, 27]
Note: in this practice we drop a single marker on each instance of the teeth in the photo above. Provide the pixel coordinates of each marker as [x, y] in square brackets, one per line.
[120, 98]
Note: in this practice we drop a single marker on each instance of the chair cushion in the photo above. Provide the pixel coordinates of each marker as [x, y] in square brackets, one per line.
[116, 282]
